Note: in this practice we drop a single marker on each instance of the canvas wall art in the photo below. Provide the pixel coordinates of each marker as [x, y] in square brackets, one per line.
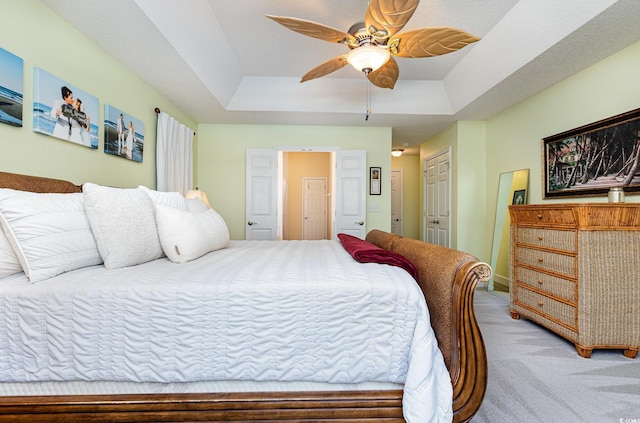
[11, 101]
[63, 110]
[123, 134]
[591, 159]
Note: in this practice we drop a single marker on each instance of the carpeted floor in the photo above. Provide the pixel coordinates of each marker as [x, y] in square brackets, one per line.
[537, 376]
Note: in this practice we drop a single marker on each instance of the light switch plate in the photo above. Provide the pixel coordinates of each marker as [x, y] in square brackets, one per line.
[374, 207]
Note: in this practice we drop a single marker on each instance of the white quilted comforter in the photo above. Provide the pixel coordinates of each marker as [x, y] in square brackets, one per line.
[258, 310]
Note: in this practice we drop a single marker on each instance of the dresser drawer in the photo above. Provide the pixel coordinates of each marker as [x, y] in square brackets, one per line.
[549, 238]
[558, 263]
[545, 216]
[558, 287]
[546, 307]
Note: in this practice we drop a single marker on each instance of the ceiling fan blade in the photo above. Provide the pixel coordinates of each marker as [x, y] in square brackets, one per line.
[389, 15]
[326, 68]
[386, 76]
[315, 30]
[428, 42]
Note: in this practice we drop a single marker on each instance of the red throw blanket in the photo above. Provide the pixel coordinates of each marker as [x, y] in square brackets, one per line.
[366, 252]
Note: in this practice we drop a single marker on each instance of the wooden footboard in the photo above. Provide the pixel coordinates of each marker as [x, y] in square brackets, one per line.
[448, 279]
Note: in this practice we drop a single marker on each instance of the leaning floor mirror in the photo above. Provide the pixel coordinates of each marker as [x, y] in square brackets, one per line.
[513, 188]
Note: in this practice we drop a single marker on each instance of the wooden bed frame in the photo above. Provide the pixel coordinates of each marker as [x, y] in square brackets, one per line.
[448, 279]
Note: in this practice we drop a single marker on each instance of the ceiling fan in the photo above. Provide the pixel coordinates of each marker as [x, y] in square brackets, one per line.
[375, 40]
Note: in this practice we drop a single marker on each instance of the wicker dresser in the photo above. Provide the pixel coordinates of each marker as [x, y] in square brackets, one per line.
[575, 269]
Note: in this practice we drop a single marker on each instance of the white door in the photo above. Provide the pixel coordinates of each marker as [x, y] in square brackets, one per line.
[437, 199]
[396, 201]
[314, 208]
[261, 195]
[350, 192]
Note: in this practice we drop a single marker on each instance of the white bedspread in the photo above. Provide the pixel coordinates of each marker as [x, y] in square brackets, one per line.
[258, 310]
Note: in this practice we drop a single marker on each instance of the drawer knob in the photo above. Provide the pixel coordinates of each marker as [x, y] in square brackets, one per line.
[539, 237]
[539, 216]
[540, 303]
[540, 259]
[540, 282]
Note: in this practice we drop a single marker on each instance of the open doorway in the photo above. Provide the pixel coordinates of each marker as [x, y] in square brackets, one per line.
[307, 192]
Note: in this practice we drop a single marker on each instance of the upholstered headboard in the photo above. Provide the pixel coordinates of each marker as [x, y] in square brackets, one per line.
[36, 183]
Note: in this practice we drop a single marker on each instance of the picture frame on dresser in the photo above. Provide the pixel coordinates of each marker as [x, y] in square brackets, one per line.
[591, 159]
[519, 196]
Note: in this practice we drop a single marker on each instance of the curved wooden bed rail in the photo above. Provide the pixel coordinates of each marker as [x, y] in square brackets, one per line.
[469, 378]
[448, 279]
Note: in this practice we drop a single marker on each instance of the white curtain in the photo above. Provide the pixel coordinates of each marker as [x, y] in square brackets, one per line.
[174, 155]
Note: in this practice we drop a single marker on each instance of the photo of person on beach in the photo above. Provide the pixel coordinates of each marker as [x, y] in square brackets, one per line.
[11, 100]
[64, 111]
[121, 138]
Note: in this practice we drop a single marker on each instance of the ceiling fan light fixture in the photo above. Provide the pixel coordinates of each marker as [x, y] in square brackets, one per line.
[397, 152]
[368, 58]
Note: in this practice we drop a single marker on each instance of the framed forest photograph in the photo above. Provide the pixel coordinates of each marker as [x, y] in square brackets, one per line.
[591, 159]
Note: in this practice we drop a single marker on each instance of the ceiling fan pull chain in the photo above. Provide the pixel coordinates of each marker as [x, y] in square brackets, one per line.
[366, 117]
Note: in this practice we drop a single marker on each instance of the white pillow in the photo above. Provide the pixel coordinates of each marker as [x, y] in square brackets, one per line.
[123, 223]
[171, 199]
[186, 236]
[9, 263]
[196, 205]
[49, 233]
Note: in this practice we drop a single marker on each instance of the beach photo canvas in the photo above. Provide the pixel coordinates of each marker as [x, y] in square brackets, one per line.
[63, 110]
[123, 134]
[11, 67]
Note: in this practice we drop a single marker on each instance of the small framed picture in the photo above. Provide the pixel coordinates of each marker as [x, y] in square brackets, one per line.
[123, 134]
[374, 180]
[519, 196]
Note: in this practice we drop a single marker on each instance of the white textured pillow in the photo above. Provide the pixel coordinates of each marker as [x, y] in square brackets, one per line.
[123, 223]
[186, 236]
[171, 199]
[49, 233]
[9, 264]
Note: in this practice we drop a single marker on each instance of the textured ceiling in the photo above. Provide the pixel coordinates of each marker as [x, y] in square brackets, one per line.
[225, 62]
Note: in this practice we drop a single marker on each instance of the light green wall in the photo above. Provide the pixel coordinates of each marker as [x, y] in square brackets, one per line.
[512, 140]
[33, 32]
[222, 153]
[411, 175]
[471, 188]
[605, 89]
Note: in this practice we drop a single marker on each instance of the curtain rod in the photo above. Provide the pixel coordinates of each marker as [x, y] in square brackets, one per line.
[157, 110]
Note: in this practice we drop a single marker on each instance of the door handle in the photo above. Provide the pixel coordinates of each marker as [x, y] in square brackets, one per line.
[436, 221]
[360, 223]
[251, 223]
[397, 220]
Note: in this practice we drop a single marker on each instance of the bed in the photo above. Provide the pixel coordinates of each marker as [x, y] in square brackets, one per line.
[279, 372]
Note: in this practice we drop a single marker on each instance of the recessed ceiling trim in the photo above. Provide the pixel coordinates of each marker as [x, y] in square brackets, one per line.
[336, 95]
[217, 67]
[525, 32]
